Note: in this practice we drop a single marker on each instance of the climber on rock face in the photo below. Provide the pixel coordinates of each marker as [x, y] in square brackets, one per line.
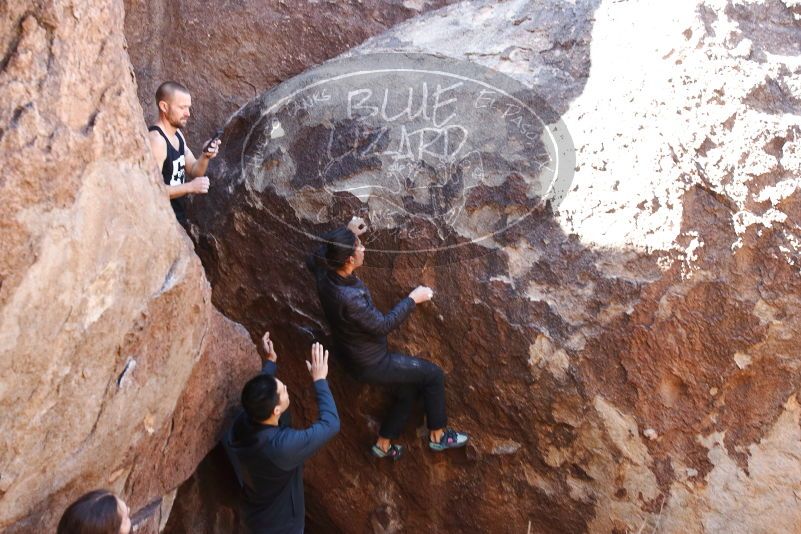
[360, 331]
[267, 454]
[171, 151]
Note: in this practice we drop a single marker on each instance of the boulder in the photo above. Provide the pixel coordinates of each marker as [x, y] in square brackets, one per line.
[622, 350]
[207, 502]
[117, 370]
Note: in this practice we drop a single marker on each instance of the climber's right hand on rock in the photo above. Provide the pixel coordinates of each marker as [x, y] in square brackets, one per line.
[318, 367]
[266, 349]
[421, 294]
[199, 186]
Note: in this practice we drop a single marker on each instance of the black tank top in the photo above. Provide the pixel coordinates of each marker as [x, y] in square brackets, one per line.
[172, 170]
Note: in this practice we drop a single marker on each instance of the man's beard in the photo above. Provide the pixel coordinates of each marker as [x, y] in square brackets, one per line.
[178, 123]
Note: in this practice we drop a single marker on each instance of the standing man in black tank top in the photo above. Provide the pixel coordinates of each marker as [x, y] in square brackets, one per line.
[171, 151]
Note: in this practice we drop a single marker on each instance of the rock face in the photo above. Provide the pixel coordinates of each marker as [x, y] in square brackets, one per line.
[116, 369]
[238, 51]
[625, 356]
[213, 482]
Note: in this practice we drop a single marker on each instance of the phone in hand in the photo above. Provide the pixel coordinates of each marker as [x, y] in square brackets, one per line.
[217, 135]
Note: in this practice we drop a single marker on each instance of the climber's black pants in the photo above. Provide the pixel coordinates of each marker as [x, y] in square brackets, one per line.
[410, 377]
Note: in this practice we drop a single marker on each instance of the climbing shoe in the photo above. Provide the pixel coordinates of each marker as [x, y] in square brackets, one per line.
[450, 439]
[393, 453]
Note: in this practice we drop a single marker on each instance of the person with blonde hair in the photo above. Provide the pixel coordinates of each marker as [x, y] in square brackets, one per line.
[171, 152]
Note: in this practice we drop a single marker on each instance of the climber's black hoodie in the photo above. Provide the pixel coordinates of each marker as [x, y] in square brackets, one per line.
[359, 328]
[268, 461]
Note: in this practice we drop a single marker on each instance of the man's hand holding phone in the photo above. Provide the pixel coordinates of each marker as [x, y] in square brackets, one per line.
[212, 146]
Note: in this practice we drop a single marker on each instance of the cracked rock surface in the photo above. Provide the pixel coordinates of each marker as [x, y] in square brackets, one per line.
[624, 361]
[116, 369]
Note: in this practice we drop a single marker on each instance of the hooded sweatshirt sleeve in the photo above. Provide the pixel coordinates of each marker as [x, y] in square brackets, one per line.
[269, 368]
[295, 446]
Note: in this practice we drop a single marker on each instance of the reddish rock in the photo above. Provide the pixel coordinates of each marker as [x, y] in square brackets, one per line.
[623, 360]
[207, 502]
[206, 405]
[116, 368]
[237, 52]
